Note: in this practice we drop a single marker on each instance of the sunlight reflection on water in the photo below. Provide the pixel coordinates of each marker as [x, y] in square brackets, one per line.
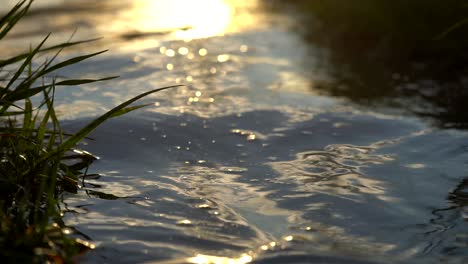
[245, 158]
[335, 171]
[195, 19]
[134, 24]
[206, 259]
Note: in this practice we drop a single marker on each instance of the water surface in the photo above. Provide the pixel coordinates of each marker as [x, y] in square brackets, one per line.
[247, 162]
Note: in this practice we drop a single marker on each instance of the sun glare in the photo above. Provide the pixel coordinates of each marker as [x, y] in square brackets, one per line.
[189, 19]
[206, 259]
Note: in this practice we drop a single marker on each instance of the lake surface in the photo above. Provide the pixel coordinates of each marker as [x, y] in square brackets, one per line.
[247, 162]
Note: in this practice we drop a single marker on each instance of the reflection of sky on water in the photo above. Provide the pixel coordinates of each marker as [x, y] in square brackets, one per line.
[221, 75]
[203, 18]
[135, 24]
[211, 181]
[244, 162]
[328, 173]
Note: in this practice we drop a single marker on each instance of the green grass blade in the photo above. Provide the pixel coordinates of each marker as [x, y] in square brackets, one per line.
[12, 113]
[23, 93]
[9, 103]
[129, 109]
[70, 62]
[41, 129]
[27, 93]
[50, 107]
[8, 21]
[22, 56]
[451, 28]
[73, 140]
[27, 118]
[26, 62]
[22, 90]
[4, 20]
[84, 81]
[17, 130]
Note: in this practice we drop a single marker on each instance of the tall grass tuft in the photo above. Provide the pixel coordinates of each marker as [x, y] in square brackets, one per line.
[38, 162]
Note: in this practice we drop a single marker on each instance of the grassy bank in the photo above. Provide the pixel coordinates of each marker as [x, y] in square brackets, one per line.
[38, 161]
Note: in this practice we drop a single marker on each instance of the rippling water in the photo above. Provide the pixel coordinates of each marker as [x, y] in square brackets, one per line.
[246, 163]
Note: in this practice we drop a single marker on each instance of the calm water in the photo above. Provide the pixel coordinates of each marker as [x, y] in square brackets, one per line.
[247, 162]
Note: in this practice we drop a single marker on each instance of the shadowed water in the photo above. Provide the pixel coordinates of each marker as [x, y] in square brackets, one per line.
[247, 163]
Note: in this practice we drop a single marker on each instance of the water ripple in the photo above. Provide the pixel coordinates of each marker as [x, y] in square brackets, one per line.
[336, 170]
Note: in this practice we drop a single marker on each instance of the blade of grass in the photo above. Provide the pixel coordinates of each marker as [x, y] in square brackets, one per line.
[22, 56]
[73, 140]
[12, 17]
[27, 117]
[12, 113]
[129, 109]
[27, 62]
[55, 122]
[21, 88]
[84, 81]
[41, 129]
[4, 20]
[71, 62]
[451, 28]
[46, 70]
[26, 93]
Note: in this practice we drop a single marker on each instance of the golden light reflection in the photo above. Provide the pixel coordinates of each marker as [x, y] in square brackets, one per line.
[244, 48]
[202, 52]
[326, 172]
[85, 243]
[251, 137]
[223, 57]
[191, 19]
[170, 53]
[183, 51]
[206, 259]
[190, 56]
[184, 222]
